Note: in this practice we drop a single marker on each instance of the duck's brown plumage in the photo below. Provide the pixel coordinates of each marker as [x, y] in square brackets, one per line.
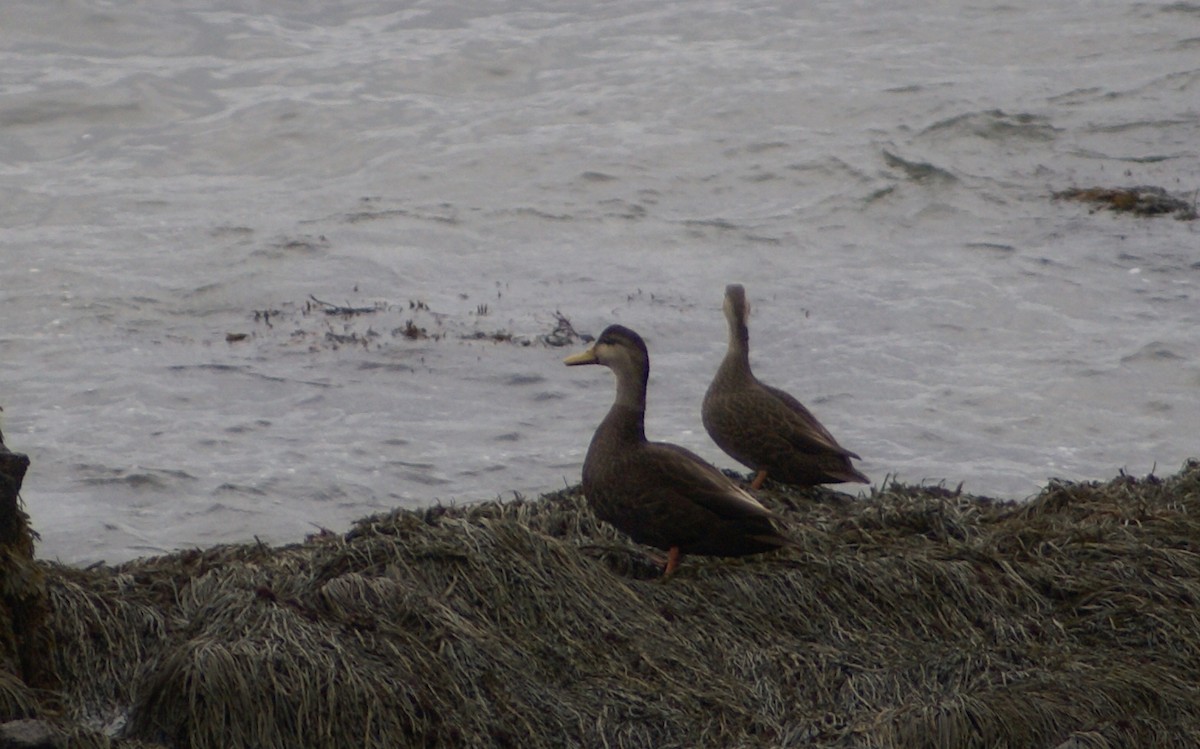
[660, 494]
[763, 427]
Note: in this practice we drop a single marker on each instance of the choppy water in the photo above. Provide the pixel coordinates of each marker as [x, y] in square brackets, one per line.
[877, 175]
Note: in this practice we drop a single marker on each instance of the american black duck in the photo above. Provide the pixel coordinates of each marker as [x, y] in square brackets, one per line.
[660, 494]
[764, 428]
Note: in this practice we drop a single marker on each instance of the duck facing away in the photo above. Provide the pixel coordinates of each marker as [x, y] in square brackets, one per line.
[660, 494]
[764, 428]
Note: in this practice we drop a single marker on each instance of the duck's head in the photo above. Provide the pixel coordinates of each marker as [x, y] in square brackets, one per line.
[624, 352]
[737, 309]
[618, 348]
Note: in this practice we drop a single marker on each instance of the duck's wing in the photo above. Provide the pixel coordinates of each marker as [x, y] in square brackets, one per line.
[800, 428]
[691, 479]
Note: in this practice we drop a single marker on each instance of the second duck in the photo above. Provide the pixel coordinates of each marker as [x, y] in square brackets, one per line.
[764, 428]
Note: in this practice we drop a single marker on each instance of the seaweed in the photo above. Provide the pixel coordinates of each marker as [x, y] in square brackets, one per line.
[1144, 200]
[915, 616]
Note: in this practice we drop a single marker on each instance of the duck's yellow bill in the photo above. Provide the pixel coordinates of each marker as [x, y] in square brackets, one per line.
[583, 357]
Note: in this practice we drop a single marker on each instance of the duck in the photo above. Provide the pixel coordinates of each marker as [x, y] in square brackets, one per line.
[764, 428]
[657, 493]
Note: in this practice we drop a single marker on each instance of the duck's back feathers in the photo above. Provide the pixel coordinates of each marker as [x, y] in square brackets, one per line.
[709, 487]
[802, 428]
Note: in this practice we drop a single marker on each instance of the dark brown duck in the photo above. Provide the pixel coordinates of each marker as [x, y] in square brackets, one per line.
[660, 494]
[764, 428]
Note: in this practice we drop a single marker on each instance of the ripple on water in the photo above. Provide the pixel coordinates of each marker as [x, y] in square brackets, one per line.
[524, 379]
[1155, 351]
[239, 489]
[141, 480]
[993, 124]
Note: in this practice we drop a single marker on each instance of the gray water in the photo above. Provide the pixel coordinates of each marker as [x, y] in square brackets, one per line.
[878, 175]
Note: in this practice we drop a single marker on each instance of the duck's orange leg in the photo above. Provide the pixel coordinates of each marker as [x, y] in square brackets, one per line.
[759, 478]
[672, 562]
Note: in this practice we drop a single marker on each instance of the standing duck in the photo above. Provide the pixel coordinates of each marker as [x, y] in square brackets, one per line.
[763, 427]
[660, 494]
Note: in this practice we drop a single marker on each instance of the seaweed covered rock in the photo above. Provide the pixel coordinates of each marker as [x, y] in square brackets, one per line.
[26, 641]
[914, 617]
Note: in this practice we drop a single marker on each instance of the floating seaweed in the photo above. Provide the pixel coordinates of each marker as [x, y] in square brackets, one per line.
[410, 321]
[346, 310]
[1140, 201]
[564, 333]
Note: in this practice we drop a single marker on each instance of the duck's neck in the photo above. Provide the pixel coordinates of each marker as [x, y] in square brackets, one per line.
[626, 418]
[737, 356]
